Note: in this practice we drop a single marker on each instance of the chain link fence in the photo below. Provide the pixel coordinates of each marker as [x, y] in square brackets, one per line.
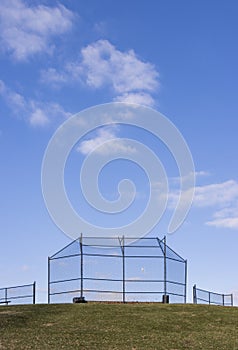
[114, 270]
[201, 296]
[25, 294]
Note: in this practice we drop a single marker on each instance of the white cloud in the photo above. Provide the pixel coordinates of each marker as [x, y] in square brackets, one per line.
[27, 30]
[136, 97]
[198, 174]
[222, 198]
[104, 135]
[34, 112]
[220, 194]
[55, 78]
[228, 222]
[103, 65]
[13, 99]
[38, 117]
[202, 173]
[231, 212]
[226, 217]
[41, 114]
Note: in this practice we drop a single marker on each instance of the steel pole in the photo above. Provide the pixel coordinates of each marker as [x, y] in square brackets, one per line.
[165, 271]
[123, 270]
[48, 280]
[34, 293]
[185, 287]
[194, 294]
[81, 267]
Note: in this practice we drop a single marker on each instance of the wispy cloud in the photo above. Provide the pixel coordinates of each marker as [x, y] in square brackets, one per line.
[54, 77]
[141, 98]
[218, 194]
[101, 146]
[198, 174]
[34, 112]
[102, 65]
[26, 30]
[226, 217]
[38, 117]
[221, 198]
[227, 222]
[41, 114]
[14, 100]
[100, 28]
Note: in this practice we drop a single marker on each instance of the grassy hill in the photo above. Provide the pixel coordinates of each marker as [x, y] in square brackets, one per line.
[117, 326]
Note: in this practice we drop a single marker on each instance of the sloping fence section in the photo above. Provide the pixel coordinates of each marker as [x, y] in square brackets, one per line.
[25, 294]
[201, 296]
[118, 271]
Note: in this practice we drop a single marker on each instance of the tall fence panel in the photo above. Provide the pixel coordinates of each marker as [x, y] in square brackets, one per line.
[201, 296]
[146, 270]
[24, 294]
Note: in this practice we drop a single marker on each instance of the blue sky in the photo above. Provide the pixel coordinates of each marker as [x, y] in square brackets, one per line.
[179, 57]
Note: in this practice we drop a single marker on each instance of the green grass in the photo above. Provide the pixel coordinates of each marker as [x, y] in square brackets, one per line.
[117, 326]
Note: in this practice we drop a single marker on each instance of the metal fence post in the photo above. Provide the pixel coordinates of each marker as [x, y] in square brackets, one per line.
[209, 298]
[194, 294]
[231, 299]
[81, 266]
[185, 286]
[223, 299]
[6, 296]
[122, 245]
[48, 280]
[34, 292]
[165, 271]
[123, 270]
